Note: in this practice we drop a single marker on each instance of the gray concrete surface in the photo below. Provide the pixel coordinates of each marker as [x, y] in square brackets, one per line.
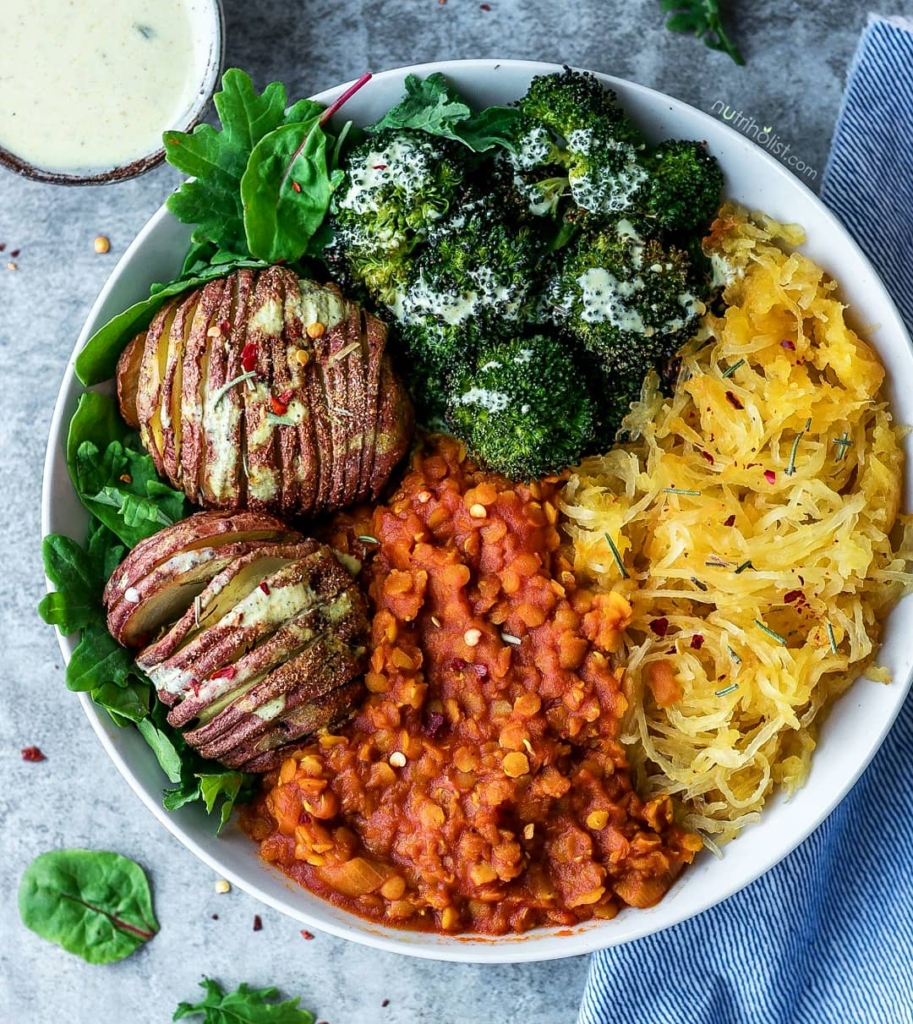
[796, 62]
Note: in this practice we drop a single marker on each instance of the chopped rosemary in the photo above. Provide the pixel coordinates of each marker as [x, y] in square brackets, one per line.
[366, 538]
[791, 468]
[842, 444]
[223, 391]
[681, 490]
[808, 424]
[284, 421]
[739, 569]
[735, 656]
[731, 370]
[720, 563]
[698, 583]
[727, 690]
[617, 557]
[509, 638]
[770, 632]
[832, 638]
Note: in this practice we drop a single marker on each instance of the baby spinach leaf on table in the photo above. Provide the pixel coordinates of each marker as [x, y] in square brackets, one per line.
[701, 18]
[245, 1005]
[93, 903]
[286, 191]
[432, 105]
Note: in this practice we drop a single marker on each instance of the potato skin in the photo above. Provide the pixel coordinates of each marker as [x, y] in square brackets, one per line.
[263, 391]
[252, 635]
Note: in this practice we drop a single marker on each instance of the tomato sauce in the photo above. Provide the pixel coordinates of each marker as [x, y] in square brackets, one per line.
[482, 786]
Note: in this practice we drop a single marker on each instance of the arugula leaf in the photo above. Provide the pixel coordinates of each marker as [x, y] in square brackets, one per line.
[245, 1005]
[432, 105]
[166, 753]
[286, 191]
[97, 361]
[701, 18]
[217, 159]
[114, 477]
[95, 904]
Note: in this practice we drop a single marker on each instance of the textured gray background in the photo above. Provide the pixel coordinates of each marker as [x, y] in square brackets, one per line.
[796, 56]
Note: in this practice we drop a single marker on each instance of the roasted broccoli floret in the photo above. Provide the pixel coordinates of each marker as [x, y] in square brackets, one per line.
[685, 185]
[630, 300]
[572, 101]
[574, 139]
[474, 279]
[522, 407]
[397, 186]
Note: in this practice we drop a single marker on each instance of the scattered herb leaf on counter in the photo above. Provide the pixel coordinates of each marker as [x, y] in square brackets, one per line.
[432, 105]
[701, 18]
[245, 1005]
[95, 904]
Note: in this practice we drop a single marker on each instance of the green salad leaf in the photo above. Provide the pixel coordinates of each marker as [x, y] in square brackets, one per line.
[701, 18]
[114, 476]
[97, 360]
[245, 1005]
[286, 191]
[95, 904]
[432, 105]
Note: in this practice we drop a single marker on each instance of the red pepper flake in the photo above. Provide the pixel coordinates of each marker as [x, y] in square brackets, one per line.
[434, 722]
[770, 476]
[730, 521]
[225, 326]
[195, 686]
[2, 246]
[380, 167]
[258, 923]
[733, 400]
[215, 917]
[306, 935]
[790, 345]
[793, 595]
[287, 396]
[484, 7]
[296, 186]
[15, 253]
[279, 407]
[660, 626]
[708, 457]
[264, 586]
[697, 642]
[386, 1002]
[32, 754]
[229, 673]
[458, 665]
[249, 357]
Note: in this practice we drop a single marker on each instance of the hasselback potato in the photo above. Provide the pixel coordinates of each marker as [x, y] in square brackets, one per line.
[264, 391]
[253, 635]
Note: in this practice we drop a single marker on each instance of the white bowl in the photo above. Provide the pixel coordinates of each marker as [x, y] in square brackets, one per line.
[852, 732]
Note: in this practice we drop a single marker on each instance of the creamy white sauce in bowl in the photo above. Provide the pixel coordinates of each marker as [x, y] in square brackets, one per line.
[88, 86]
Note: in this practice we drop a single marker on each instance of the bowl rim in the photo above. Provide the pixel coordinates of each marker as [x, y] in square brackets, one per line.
[587, 936]
[212, 74]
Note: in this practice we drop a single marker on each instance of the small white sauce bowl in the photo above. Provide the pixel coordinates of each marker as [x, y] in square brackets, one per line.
[208, 27]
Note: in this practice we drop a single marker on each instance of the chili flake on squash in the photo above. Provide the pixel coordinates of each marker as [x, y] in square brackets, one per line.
[515, 808]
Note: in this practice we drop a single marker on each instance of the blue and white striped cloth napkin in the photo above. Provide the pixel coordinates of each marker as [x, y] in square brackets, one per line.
[826, 937]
